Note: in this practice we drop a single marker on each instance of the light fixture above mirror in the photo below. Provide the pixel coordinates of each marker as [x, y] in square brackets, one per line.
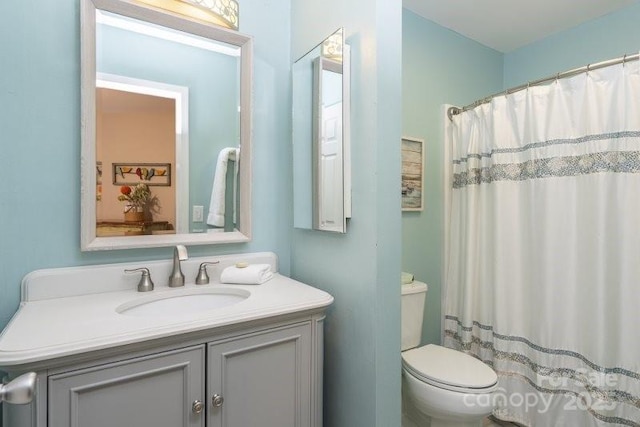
[332, 46]
[209, 113]
[225, 13]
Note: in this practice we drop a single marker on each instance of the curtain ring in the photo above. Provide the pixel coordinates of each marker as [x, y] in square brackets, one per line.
[453, 111]
[557, 77]
[624, 59]
[588, 67]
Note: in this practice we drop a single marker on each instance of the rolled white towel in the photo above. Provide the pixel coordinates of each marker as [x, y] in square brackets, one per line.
[406, 278]
[254, 274]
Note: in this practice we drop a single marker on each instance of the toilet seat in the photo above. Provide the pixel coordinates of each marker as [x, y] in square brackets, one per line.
[449, 369]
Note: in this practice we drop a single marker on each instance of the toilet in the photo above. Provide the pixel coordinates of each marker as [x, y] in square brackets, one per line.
[444, 386]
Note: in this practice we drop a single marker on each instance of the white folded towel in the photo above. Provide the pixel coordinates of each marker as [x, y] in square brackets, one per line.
[217, 204]
[406, 278]
[254, 274]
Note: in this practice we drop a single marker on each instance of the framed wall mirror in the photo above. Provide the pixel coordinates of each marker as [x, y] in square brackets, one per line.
[321, 152]
[166, 129]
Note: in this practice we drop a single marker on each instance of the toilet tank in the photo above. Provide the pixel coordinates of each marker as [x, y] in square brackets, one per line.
[412, 306]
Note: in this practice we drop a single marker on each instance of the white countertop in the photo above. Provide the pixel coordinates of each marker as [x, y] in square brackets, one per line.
[61, 320]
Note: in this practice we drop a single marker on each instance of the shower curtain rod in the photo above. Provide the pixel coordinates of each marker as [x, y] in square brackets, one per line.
[453, 111]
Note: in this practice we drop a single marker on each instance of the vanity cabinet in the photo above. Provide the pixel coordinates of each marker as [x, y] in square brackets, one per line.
[255, 363]
[152, 391]
[261, 380]
[267, 377]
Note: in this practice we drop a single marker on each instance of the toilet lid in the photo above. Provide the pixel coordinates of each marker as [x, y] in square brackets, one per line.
[448, 367]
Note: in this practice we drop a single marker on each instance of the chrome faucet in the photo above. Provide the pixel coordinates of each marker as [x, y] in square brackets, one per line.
[177, 278]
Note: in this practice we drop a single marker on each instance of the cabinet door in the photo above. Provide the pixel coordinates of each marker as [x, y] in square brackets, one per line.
[152, 391]
[263, 379]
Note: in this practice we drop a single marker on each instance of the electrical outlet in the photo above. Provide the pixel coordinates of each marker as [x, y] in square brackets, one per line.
[198, 213]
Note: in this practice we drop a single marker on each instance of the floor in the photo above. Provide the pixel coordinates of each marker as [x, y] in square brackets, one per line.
[492, 422]
[487, 422]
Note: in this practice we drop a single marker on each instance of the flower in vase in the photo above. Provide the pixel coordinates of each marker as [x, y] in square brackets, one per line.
[136, 198]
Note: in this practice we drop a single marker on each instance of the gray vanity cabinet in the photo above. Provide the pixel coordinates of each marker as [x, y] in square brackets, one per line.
[261, 379]
[152, 391]
[257, 363]
[268, 375]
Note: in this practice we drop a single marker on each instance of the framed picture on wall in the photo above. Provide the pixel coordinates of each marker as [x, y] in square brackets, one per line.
[148, 173]
[412, 172]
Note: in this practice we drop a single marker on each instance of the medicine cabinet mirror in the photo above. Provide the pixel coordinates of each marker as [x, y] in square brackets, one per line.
[321, 155]
[166, 129]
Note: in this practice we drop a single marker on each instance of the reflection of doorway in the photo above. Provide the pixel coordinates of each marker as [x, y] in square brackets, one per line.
[328, 210]
[141, 121]
[331, 201]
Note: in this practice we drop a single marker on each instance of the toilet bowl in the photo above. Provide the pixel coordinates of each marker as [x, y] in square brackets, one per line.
[451, 388]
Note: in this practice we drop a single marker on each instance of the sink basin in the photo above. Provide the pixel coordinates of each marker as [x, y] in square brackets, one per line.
[181, 302]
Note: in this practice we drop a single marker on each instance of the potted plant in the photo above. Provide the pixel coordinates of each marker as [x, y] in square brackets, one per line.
[136, 199]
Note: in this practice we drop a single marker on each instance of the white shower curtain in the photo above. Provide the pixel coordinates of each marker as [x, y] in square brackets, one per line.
[542, 274]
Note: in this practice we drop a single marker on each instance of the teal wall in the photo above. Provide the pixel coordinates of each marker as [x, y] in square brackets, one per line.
[360, 268]
[40, 135]
[438, 66]
[597, 40]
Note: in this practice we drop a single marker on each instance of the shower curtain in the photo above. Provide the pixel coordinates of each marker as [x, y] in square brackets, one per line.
[542, 263]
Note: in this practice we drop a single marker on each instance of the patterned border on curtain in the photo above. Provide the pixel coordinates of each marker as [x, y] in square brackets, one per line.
[605, 161]
[577, 381]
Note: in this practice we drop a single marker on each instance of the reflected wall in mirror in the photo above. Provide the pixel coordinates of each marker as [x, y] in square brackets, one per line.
[166, 146]
[321, 168]
[141, 136]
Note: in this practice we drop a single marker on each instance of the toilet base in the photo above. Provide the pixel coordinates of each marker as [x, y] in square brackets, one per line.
[426, 405]
[442, 423]
[411, 417]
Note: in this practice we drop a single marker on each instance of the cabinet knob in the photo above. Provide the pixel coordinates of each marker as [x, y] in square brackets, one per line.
[217, 400]
[19, 391]
[197, 407]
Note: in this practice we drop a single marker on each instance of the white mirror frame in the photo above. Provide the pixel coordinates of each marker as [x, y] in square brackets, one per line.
[89, 241]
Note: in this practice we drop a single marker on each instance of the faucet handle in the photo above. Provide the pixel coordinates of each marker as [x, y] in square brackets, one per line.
[145, 284]
[203, 277]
